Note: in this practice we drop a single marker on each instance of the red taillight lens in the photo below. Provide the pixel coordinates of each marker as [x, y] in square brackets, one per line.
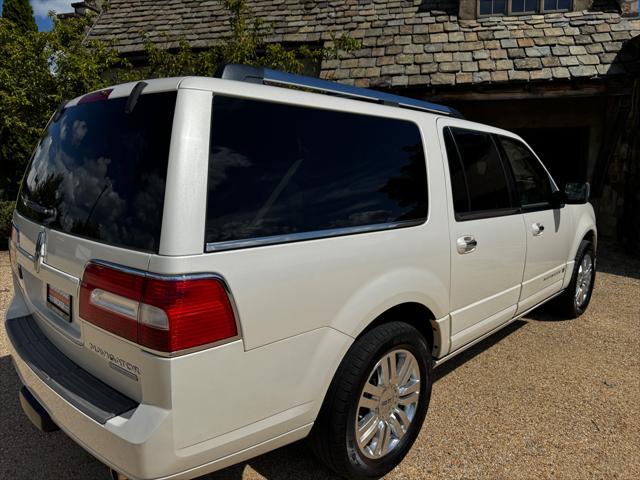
[110, 314]
[13, 246]
[198, 312]
[167, 315]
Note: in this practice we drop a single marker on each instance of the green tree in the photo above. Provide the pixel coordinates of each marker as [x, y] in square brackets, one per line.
[40, 69]
[20, 13]
[37, 71]
[27, 96]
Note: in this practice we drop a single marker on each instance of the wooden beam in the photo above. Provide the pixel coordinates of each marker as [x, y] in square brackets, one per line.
[525, 91]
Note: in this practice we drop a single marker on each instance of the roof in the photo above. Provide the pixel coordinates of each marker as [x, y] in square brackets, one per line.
[404, 43]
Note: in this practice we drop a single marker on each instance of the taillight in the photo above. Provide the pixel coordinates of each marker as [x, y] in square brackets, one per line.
[15, 235]
[13, 248]
[166, 314]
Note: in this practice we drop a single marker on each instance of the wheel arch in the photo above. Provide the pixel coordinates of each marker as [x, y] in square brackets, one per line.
[412, 313]
[591, 236]
[415, 314]
[414, 295]
[585, 229]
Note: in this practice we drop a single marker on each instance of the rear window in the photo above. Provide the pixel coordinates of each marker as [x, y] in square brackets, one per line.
[100, 173]
[281, 170]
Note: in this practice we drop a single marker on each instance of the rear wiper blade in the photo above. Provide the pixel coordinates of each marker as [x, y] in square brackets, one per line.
[46, 211]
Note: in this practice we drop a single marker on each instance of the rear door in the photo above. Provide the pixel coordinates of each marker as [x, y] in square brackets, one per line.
[548, 228]
[486, 233]
[93, 190]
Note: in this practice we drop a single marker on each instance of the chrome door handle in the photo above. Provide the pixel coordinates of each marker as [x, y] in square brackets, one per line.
[537, 229]
[466, 244]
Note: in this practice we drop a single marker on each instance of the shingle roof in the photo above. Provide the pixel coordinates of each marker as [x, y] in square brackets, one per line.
[403, 42]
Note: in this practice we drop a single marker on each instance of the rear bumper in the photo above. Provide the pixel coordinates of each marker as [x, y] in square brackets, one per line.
[191, 437]
[85, 392]
[139, 443]
[126, 441]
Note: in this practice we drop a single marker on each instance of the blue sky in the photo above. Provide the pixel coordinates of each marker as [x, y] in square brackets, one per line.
[42, 7]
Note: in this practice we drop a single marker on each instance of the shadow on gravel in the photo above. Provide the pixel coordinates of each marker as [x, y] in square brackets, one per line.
[293, 461]
[459, 360]
[545, 313]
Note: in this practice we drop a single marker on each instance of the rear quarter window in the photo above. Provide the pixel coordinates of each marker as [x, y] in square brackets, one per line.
[279, 170]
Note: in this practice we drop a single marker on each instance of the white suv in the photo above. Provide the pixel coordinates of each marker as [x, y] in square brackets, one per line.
[207, 269]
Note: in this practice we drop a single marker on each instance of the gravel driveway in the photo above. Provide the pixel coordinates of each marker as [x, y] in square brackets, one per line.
[544, 398]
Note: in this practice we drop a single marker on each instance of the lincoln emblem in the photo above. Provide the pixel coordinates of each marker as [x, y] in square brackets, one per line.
[40, 250]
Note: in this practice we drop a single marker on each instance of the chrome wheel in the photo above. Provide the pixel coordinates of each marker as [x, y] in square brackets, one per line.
[388, 403]
[583, 280]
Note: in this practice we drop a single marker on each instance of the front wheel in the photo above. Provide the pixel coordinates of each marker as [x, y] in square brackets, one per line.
[376, 403]
[574, 301]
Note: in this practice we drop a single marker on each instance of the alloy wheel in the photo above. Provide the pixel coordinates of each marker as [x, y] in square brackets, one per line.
[584, 280]
[387, 404]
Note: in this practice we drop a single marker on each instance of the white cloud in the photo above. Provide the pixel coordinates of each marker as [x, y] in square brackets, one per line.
[41, 8]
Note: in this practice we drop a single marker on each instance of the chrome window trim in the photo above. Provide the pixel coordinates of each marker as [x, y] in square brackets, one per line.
[25, 253]
[312, 235]
[186, 276]
[46, 267]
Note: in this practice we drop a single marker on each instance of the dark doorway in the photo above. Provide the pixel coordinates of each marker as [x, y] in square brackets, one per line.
[564, 151]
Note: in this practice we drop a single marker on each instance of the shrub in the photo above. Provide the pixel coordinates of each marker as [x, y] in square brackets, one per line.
[6, 213]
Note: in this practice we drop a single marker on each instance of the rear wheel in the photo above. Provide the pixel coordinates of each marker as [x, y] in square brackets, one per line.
[376, 403]
[575, 299]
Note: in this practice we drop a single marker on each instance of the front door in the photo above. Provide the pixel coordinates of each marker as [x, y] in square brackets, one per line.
[548, 229]
[486, 232]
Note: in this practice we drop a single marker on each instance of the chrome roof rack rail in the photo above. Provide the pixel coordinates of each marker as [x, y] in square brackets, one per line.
[245, 73]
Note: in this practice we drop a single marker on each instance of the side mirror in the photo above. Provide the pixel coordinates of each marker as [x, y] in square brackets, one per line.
[577, 192]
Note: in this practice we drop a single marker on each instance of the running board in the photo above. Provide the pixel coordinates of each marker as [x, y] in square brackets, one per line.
[449, 356]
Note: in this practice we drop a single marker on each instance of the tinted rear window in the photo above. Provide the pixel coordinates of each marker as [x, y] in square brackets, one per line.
[280, 169]
[100, 173]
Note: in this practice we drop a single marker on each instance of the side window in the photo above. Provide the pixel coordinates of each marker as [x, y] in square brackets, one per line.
[479, 184]
[532, 181]
[458, 181]
[278, 169]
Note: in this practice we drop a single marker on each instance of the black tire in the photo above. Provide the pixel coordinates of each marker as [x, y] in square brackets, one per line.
[566, 304]
[333, 436]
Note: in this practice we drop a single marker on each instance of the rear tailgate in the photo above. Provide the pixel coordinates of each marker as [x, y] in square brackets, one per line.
[94, 190]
